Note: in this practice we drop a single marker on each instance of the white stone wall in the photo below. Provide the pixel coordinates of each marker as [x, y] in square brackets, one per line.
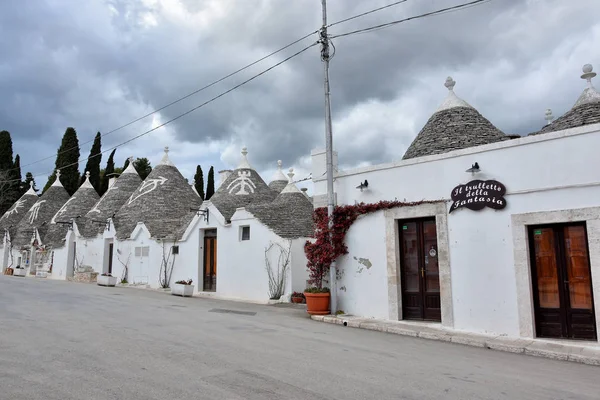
[555, 171]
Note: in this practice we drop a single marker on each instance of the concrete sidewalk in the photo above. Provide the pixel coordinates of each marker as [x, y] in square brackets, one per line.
[581, 352]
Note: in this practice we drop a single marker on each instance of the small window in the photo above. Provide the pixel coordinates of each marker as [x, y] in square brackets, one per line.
[145, 251]
[175, 249]
[245, 232]
[138, 251]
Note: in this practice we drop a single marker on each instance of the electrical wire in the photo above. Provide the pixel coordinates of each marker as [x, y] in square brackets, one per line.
[183, 114]
[173, 102]
[366, 13]
[429, 14]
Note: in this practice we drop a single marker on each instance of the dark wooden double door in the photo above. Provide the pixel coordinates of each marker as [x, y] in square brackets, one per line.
[562, 282]
[210, 261]
[420, 274]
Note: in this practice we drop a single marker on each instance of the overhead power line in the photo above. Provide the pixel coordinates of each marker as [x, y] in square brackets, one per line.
[175, 101]
[429, 14]
[185, 113]
[366, 13]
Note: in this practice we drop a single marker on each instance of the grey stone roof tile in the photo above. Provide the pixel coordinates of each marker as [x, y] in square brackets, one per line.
[162, 202]
[585, 114]
[16, 212]
[289, 215]
[40, 214]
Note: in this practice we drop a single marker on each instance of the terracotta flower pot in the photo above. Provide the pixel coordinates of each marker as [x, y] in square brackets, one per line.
[317, 303]
[297, 300]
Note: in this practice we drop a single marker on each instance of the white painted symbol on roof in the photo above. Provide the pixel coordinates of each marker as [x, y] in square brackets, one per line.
[148, 183]
[14, 209]
[243, 182]
[62, 210]
[35, 210]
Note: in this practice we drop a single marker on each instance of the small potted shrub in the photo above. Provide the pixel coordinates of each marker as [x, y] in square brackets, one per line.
[183, 288]
[107, 280]
[19, 271]
[297, 297]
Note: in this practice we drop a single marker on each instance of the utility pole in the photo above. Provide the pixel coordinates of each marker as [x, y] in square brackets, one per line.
[324, 38]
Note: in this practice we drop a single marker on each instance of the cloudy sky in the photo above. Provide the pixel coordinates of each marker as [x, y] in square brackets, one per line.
[98, 64]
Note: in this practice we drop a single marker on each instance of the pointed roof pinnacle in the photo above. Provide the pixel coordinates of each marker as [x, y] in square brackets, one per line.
[165, 160]
[279, 175]
[87, 183]
[57, 181]
[452, 100]
[549, 117]
[590, 94]
[31, 190]
[130, 167]
[244, 164]
[291, 186]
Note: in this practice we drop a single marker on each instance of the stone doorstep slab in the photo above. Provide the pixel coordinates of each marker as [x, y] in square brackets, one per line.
[540, 348]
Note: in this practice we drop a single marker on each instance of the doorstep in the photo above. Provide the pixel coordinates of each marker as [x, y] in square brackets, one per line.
[575, 351]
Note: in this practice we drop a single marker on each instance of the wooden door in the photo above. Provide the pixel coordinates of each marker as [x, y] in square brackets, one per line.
[110, 257]
[420, 270]
[210, 264]
[562, 282]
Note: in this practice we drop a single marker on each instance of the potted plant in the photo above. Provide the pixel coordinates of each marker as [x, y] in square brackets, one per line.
[107, 280]
[297, 297]
[19, 271]
[183, 288]
[317, 300]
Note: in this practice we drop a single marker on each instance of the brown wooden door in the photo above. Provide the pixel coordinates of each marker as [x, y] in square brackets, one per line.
[420, 270]
[562, 282]
[210, 264]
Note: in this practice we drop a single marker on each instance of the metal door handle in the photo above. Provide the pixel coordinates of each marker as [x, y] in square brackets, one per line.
[423, 272]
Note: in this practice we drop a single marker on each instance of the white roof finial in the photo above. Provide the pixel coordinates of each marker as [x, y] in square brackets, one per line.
[165, 160]
[452, 100]
[279, 175]
[87, 183]
[291, 174]
[549, 116]
[450, 83]
[130, 167]
[57, 181]
[291, 186]
[31, 190]
[244, 164]
[589, 95]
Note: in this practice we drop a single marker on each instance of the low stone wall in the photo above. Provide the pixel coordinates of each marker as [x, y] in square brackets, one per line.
[84, 277]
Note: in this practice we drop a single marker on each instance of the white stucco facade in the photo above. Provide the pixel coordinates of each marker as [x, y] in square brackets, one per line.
[548, 173]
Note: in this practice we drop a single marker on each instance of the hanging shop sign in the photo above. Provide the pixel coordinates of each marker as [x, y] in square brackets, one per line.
[478, 194]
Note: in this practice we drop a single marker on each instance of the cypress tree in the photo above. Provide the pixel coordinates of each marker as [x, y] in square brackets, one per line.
[126, 164]
[8, 195]
[210, 187]
[110, 168]
[199, 182]
[67, 159]
[93, 163]
[15, 176]
[6, 151]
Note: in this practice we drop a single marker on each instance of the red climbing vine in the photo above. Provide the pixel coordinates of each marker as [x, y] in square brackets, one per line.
[323, 252]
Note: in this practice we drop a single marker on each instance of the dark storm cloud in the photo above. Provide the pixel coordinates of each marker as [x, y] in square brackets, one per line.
[97, 65]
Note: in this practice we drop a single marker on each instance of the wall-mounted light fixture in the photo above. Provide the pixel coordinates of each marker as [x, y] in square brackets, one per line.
[363, 185]
[474, 168]
[204, 213]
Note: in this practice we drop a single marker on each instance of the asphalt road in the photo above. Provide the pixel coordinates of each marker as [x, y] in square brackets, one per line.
[63, 341]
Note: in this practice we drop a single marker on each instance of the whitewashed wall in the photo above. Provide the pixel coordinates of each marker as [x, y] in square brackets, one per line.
[541, 173]
[299, 272]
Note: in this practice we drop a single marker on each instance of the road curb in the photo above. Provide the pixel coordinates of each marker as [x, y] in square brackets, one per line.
[583, 354]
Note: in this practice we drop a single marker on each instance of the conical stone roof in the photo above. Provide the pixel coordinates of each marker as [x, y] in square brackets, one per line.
[76, 207]
[110, 203]
[455, 125]
[290, 215]
[279, 180]
[586, 110]
[41, 213]
[163, 202]
[15, 214]
[242, 187]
